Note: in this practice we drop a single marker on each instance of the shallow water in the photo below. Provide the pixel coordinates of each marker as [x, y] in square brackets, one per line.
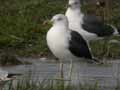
[106, 75]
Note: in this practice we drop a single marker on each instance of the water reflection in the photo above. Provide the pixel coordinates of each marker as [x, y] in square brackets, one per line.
[105, 75]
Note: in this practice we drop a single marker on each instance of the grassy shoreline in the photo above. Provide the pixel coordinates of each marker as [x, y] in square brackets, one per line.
[27, 84]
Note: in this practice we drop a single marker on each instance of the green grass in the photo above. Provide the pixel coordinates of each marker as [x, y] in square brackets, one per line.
[23, 28]
[26, 84]
[104, 49]
[22, 24]
[47, 85]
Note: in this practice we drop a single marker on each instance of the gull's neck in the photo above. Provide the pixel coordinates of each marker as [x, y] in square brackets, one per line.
[61, 26]
[74, 18]
[74, 15]
[75, 12]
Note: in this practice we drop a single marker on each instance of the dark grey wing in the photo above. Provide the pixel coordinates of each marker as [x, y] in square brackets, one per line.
[119, 30]
[93, 25]
[78, 46]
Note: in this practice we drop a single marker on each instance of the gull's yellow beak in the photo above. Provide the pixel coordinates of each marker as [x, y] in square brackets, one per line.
[47, 22]
[50, 22]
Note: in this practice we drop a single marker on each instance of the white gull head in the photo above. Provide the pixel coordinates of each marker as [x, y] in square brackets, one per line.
[74, 4]
[75, 18]
[59, 20]
[74, 14]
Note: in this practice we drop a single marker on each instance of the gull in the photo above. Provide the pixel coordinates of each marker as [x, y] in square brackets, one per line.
[88, 25]
[5, 76]
[67, 44]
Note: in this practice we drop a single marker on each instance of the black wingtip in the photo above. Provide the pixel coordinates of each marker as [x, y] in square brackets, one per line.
[119, 30]
[10, 75]
[97, 61]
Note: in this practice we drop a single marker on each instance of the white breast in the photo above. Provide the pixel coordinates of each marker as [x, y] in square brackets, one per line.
[57, 41]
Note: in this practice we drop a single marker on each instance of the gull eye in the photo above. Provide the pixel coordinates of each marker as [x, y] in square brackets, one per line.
[59, 19]
[76, 3]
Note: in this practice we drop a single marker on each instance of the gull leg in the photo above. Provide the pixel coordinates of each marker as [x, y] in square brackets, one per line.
[0, 87]
[61, 70]
[70, 70]
[108, 50]
[108, 46]
[61, 83]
